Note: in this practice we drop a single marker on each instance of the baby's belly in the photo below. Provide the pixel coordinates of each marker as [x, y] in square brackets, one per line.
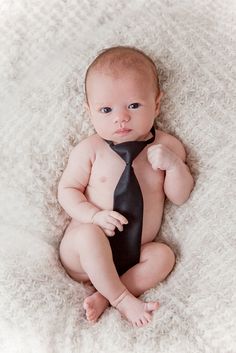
[153, 209]
[152, 217]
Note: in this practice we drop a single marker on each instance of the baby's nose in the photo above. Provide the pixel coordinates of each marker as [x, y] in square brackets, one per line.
[122, 116]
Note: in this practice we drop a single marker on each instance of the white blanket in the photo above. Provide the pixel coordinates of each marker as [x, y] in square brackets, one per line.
[45, 47]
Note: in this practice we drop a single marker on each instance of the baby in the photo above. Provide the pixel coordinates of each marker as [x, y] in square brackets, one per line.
[123, 99]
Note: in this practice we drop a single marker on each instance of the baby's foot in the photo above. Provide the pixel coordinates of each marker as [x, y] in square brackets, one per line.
[94, 306]
[136, 311]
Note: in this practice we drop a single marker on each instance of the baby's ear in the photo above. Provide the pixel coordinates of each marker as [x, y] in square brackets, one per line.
[158, 102]
[86, 107]
[85, 104]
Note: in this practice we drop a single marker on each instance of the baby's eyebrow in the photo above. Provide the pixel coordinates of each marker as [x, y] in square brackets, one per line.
[101, 104]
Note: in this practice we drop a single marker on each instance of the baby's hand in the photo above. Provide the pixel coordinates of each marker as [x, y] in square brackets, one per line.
[109, 220]
[161, 157]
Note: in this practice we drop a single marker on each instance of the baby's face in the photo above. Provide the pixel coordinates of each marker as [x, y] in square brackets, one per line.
[122, 108]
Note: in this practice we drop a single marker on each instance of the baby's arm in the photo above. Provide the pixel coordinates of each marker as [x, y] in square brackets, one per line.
[72, 186]
[171, 157]
[178, 181]
[74, 181]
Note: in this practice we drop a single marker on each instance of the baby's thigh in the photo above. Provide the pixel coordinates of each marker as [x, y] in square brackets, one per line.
[72, 245]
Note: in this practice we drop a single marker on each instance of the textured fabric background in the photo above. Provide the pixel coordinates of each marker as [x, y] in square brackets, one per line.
[45, 47]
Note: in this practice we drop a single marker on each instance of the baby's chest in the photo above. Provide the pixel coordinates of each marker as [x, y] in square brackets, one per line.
[106, 172]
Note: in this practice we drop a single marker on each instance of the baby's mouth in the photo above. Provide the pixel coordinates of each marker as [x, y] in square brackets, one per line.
[123, 131]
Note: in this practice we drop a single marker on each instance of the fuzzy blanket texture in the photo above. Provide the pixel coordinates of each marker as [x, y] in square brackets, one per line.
[45, 47]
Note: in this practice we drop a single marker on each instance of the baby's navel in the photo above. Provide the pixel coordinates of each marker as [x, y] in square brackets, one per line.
[103, 179]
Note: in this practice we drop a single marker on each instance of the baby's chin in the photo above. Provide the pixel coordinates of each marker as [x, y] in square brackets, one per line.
[133, 137]
[123, 138]
[127, 135]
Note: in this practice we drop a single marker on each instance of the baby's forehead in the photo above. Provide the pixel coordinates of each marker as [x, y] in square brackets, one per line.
[120, 73]
[137, 71]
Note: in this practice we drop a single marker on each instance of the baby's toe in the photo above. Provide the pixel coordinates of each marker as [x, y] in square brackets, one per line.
[146, 320]
[139, 323]
[91, 315]
[151, 306]
[147, 316]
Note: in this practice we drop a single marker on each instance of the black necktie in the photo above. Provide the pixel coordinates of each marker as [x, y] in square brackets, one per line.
[128, 201]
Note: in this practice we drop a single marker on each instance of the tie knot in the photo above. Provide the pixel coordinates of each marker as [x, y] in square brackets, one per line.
[128, 151]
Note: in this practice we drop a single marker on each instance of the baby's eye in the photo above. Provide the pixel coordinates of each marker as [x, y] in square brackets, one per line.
[134, 106]
[105, 110]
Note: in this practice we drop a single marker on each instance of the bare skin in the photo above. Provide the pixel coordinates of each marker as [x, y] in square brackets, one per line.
[122, 108]
[156, 261]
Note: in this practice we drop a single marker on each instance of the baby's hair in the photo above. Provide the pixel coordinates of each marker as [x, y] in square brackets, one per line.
[123, 57]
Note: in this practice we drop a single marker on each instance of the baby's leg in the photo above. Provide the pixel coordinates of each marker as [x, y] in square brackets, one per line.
[156, 262]
[90, 246]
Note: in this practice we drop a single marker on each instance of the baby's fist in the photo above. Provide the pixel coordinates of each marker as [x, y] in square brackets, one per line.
[161, 157]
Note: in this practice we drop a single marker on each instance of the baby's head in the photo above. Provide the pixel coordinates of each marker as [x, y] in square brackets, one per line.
[122, 94]
[115, 61]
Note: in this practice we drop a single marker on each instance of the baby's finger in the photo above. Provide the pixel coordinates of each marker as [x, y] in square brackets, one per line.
[119, 216]
[119, 226]
[115, 223]
[108, 232]
[109, 225]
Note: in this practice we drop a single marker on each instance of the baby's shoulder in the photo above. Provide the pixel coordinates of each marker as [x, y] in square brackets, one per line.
[165, 138]
[171, 142]
[88, 146]
[89, 141]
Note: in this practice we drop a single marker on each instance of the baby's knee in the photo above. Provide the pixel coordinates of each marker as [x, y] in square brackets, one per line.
[167, 256]
[90, 229]
[161, 256]
[94, 241]
[84, 235]
[90, 233]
